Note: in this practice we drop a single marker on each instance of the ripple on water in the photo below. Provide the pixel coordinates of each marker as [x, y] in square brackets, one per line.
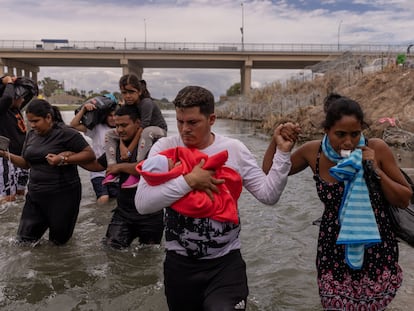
[278, 245]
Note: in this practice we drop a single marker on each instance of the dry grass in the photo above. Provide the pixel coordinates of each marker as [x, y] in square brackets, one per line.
[387, 93]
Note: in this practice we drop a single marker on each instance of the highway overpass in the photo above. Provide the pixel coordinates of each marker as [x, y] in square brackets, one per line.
[27, 57]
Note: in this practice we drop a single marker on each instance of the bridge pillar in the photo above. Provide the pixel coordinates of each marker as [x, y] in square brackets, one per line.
[246, 77]
[2, 67]
[17, 68]
[34, 76]
[128, 67]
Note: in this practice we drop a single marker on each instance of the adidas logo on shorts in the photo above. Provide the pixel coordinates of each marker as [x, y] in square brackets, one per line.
[240, 306]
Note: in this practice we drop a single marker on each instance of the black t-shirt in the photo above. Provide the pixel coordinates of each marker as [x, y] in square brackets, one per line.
[150, 114]
[43, 176]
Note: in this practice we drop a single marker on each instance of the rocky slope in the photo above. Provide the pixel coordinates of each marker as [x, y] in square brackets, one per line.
[385, 94]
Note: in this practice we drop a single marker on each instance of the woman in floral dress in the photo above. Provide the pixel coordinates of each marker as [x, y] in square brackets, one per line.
[357, 256]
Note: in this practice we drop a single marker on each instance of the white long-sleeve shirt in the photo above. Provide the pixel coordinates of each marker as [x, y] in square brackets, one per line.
[97, 136]
[205, 238]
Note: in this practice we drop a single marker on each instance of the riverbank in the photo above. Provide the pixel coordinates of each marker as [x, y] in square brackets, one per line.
[383, 94]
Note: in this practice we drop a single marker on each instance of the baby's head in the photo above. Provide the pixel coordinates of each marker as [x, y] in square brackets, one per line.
[158, 163]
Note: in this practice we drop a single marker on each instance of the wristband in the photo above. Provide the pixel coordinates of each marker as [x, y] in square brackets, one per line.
[62, 161]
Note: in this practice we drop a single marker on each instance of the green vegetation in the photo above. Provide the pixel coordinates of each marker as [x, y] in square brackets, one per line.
[67, 107]
[234, 90]
[50, 87]
[55, 92]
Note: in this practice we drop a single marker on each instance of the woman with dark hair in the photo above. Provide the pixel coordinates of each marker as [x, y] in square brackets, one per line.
[356, 180]
[52, 151]
[153, 126]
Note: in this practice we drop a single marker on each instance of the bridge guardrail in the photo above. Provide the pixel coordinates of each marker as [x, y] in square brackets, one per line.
[200, 46]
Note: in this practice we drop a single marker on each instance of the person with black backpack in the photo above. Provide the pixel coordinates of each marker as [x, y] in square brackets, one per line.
[15, 94]
[95, 118]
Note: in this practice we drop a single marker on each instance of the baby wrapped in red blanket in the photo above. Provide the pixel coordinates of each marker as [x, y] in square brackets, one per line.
[174, 162]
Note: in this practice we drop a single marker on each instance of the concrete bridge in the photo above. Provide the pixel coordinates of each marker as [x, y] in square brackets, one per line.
[25, 58]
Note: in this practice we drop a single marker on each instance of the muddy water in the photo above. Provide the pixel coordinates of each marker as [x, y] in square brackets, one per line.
[278, 244]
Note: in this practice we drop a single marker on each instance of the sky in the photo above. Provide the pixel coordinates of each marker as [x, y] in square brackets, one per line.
[201, 21]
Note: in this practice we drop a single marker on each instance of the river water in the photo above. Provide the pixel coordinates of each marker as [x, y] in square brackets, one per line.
[278, 245]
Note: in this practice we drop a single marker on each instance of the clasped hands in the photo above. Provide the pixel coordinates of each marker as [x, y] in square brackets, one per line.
[286, 135]
[55, 159]
[58, 159]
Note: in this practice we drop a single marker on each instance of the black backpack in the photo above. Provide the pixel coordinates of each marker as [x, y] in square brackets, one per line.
[402, 219]
[104, 105]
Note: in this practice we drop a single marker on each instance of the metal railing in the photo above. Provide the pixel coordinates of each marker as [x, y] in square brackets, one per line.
[200, 46]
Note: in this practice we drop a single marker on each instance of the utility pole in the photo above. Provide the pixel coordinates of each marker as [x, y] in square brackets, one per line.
[339, 32]
[145, 34]
[242, 27]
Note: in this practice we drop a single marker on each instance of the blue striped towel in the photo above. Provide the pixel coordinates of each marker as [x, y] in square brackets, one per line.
[359, 228]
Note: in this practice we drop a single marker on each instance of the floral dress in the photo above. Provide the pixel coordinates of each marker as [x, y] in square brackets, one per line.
[340, 287]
